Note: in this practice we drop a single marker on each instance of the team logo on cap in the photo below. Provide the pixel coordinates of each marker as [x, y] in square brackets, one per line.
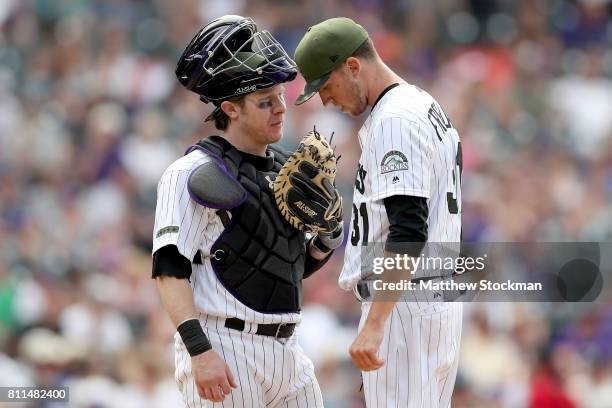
[393, 161]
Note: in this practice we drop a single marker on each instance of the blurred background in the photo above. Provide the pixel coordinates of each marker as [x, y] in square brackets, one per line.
[91, 115]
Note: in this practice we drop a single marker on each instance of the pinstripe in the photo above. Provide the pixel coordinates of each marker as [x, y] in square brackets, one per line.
[187, 368]
[161, 204]
[369, 390]
[184, 198]
[297, 398]
[264, 349]
[378, 181]
[455, 329]
[411, 157]
[292, 363]
[173, 194]
[257, 384]
[179, 367]
[194, 390]
[445, 236]
[420, 156]
[310, 382]
[316, 393]
[387, 361]
[449, 338]
[237, 367]
[423, 372]
[282, 382]
[434, 194]
[224, 356]
[430, 369]
[172, 187]
[310, 386]
[408, 347]
[431, 366]
[193, 210]
[191, 249]
[438, 351]
[184, 212]
[376, 387]
[302, 387]
[273, 370]
[196, 394]
[397, 378]
[207, 332]
[161, 194]
[182, 370]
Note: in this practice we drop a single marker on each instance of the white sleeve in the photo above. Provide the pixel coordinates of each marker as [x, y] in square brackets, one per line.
[179, 220]
[400, 158]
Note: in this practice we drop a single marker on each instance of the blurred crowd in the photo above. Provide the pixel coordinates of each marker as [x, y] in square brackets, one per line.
[91, 115]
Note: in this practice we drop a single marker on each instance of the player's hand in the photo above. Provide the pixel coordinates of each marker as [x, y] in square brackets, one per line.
[212, 376]
[364, 350]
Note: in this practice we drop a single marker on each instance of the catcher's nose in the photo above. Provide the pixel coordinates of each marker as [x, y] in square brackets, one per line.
[280, 107]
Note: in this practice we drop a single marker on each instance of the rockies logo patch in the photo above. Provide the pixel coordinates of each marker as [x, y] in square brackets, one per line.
[393, 161]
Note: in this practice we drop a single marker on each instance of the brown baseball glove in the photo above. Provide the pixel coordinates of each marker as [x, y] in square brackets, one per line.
[305, 188]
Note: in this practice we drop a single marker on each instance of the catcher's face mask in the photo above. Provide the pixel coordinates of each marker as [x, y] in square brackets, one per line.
[231, 57]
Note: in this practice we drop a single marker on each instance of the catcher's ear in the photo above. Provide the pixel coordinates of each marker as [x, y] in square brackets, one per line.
[230, 109]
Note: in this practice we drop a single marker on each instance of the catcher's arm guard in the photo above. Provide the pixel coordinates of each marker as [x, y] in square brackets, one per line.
[212, 186]
[305, 189]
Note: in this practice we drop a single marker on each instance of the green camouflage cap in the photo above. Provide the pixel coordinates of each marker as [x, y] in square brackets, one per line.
[323, 48]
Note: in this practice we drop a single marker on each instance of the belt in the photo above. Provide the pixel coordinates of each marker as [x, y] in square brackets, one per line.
[276, 330]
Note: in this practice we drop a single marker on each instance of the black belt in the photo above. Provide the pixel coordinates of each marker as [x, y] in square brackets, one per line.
[276, 330]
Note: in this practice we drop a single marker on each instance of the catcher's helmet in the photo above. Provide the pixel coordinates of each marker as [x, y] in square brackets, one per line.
[230, 57]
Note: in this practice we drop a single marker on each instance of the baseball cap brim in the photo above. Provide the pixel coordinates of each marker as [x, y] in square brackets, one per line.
[312, 88]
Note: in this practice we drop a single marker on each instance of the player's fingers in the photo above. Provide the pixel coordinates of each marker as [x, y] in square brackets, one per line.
[358, 357]
[216, 394]
[230, 377]
[358, 363]
[225, 386]
[372, 361]
[367, 360]
[372, 358]
[204, 393]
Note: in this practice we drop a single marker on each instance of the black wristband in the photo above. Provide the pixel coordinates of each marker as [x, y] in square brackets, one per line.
[316, 242]
[193, 337]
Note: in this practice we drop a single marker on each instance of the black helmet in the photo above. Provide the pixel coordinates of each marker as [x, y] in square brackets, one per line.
[230, 57]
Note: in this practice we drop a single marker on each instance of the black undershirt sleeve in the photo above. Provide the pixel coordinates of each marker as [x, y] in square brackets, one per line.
[168, 261]
[312, 264]
[408, 224]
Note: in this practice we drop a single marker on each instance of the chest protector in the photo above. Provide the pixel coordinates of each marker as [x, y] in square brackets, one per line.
[259, 258]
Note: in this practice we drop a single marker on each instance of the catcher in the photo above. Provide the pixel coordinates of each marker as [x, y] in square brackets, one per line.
[238, 225]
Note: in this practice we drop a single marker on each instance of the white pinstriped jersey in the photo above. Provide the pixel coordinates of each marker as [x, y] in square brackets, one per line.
[409, 147]
[180, 221]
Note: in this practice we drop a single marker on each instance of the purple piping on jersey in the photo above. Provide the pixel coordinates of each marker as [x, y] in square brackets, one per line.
[224, 170]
